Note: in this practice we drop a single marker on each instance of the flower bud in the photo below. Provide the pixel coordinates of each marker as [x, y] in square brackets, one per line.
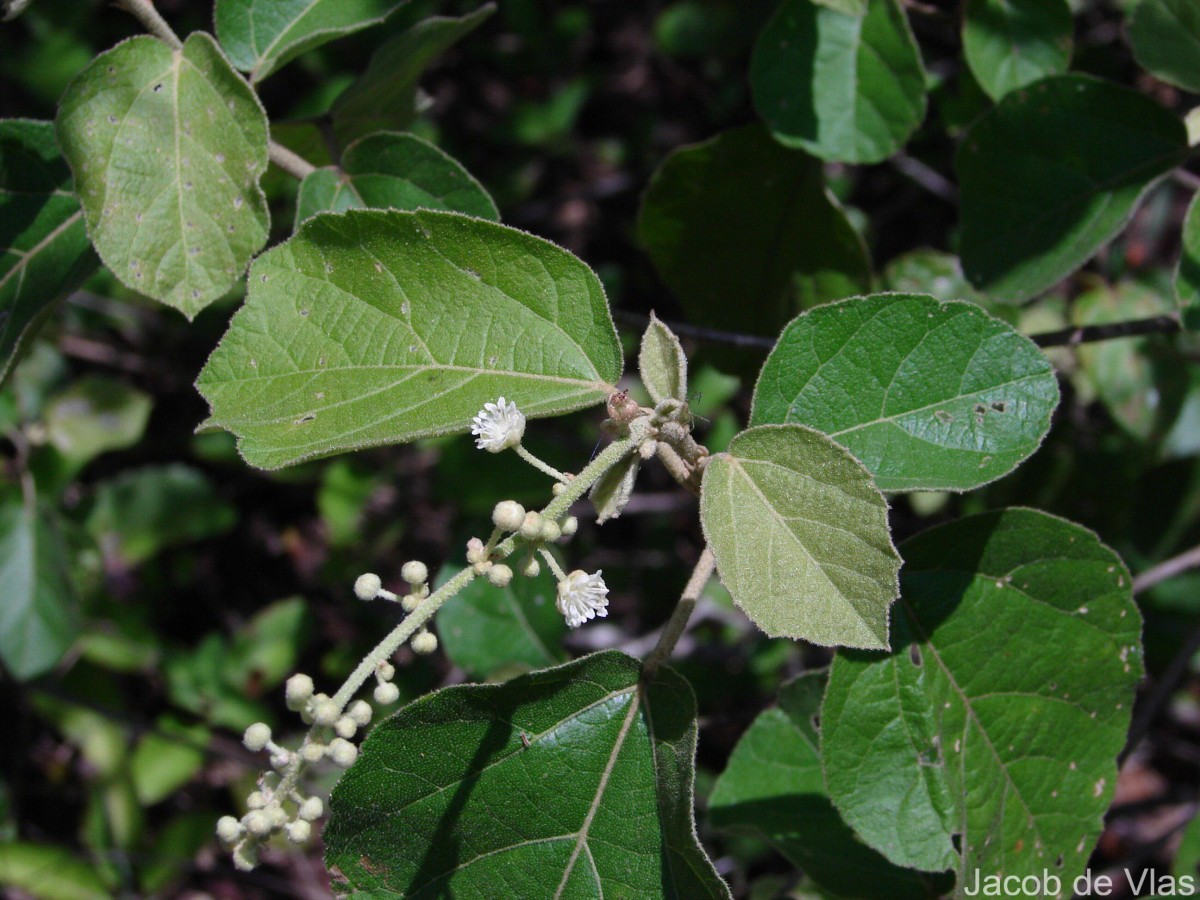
[531, 567]
[342, 752]
[229, 829]
[298, 832]
[298, 690]
[313, 752]
[257, 736]
[245, 856]
[386, 670]
[324, 710]
[410, 602]
[345, 727]
[311, 809]
[500, 575]
[360, 712]
[276, 816]
[508, 515]
[424, 642]
[257, 823]
[387, 693]
[557, 488]
[367, 587]
[414, 572]
[531, 526]
[550, 530]
[569, 526]
[256, 800]
[475, 551]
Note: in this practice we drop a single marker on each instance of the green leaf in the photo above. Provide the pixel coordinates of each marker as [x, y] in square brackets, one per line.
[1187, 272]
[260, 36]
[44, 248]
[264, 650]
[396, 171]
[1010, 44]
[385, 96]
[1014, 742]
[1052, 173]
[49, 872]
[94, 415]
[662, 363]
[801, 537]
[1165, 35]
[849, 88]
[144, 511]
[745, 233]
[486, 629]
[574, 781]
[928, 395]
[774, 786]
[166, 759]
[611, 493]
[189, 141]
[38, 619]
[347, 340]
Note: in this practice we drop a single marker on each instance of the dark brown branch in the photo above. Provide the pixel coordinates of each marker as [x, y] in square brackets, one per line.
[1087, 334]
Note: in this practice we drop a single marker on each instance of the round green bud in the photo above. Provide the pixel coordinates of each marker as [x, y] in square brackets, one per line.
[367, 587]
[500, 575]
[550, 530]
[387, 693]
[342, 752]
[386, 670]
[414, 572]
[508, 515]
[257, 736]
[360, 712]
[298, 832]
[324, 710]
[311, 809]
[570, 525]
[229, 829]
[424, 642]
[345, 727]
[313, 752]
[257, 823]
[531, 567]
[256, 800]
[531, 526]
[297, 691]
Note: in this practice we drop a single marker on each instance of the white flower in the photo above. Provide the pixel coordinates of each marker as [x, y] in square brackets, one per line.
[581, 597]
[498, 426]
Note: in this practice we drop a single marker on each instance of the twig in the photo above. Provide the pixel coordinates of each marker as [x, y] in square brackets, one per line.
[683, 610]
[144, 12]
[1149, 709]
[292, 163]
[1087, 334]
[1167, 569]
[700, 333]
[1188, 179]
[930, 179]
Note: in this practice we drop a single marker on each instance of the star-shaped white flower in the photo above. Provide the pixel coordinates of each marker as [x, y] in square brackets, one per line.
[581, 597]
[498, 426]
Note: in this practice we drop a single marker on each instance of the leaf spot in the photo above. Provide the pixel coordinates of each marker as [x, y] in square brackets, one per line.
[307, 417]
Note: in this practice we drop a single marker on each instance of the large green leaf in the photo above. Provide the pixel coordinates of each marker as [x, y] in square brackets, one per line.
[375, 327]
[44, 248]
[394, 171]
[986, 741]
[844, 87]
[1012, 43]
[774, 786]
[801, 537]
[49, 872]
[262, 35]
[570, 782]
[1053, 172]
[94, 415]
[929, 395]
[167, 147]
[485, 629]
[1187, 273]
[745, 233]
[1165, 35]
[38, 618]
[385, 96]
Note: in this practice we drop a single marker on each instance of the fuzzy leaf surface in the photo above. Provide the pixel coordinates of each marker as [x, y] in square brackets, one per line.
[167, 147]
[1053, 172]
[44, 248]
[774, 786]
[394, 171]
[662, 363]
[846, 88]
[1015, 746]
[570, 782]
[261, 35]
[1165, 35]
[929, 395]
[1012, 43]
[801, 537]
[745, 233]
[384, 97]
[378, 327]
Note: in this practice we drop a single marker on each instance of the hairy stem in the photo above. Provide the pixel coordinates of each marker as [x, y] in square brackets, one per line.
[541, 466]
[1176, 565]
[148, 16]
[290, 162]
[676, 466]
[676, 625]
